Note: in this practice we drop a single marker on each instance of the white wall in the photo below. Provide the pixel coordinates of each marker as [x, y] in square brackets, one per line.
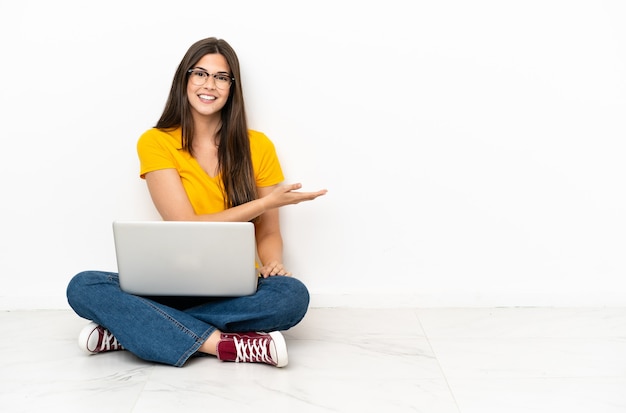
[473, 150]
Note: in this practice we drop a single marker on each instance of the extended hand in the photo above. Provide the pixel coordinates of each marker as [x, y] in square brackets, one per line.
[287, 195]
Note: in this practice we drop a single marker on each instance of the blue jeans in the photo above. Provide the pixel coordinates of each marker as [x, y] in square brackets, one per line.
[169, 330]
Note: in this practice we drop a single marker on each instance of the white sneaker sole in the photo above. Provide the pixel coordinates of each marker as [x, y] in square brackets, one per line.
[281, 348]
[83, 337]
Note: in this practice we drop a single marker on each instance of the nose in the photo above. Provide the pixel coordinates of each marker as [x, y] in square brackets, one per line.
[210, 82]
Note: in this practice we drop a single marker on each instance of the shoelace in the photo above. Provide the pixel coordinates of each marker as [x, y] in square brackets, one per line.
[252, 350]
[109, 342]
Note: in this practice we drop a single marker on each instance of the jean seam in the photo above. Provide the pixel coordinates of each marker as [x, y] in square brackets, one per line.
[199, 339]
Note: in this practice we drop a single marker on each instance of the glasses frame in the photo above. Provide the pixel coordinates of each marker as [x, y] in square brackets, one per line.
[214, 76]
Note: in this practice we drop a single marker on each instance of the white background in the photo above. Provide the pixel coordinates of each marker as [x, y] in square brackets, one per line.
[473, 150]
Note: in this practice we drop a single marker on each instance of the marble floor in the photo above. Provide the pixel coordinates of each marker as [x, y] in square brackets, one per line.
[457, 360]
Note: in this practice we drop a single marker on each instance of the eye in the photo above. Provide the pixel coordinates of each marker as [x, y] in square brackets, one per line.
[200, 74]
[222, 77]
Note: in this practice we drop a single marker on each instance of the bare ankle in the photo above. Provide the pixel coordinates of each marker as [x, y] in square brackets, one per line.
[210, 345]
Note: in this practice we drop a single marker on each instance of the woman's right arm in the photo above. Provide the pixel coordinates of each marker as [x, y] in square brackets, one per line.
[171, 201]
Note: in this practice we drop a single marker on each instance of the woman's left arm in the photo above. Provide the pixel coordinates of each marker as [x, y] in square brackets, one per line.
[269, 240]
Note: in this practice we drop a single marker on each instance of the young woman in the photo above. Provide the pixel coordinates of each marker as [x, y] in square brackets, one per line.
[202, 163]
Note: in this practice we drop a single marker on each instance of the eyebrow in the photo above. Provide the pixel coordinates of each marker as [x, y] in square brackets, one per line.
[221, 72]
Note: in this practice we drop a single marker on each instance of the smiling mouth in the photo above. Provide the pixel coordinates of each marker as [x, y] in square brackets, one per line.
[207, 97]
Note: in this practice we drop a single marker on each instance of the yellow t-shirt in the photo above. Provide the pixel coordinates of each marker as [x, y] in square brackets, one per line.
[158, 149]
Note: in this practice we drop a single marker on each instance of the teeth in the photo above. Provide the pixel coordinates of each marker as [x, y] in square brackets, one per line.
[207, 97]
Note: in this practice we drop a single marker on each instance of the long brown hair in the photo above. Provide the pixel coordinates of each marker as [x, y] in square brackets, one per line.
[233, 153]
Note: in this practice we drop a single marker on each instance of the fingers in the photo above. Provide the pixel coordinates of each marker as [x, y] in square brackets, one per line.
[288, 195]
[314, 195]
[296, 186]
[291, 196]
[273, 269]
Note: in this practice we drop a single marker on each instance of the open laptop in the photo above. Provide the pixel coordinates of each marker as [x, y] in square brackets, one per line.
[174, 258]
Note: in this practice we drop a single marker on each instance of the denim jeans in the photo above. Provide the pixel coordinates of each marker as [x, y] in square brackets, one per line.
[169, 330]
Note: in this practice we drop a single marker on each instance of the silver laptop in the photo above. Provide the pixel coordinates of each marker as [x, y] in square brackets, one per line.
[174, 258]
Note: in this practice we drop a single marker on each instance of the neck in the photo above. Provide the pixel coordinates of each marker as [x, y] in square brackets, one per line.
[205, 133]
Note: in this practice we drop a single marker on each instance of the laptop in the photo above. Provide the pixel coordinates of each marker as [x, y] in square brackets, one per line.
[175, 258]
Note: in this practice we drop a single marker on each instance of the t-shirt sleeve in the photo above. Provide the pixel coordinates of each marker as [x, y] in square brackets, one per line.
[265, 160]
[154, 152]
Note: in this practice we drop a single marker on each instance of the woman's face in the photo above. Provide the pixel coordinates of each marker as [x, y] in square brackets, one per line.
[208, 85]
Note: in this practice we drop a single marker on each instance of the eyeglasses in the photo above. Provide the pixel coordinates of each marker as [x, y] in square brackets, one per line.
[199, 78]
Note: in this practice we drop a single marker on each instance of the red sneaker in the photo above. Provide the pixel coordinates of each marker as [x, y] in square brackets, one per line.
[96, 339]
[269, 348]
